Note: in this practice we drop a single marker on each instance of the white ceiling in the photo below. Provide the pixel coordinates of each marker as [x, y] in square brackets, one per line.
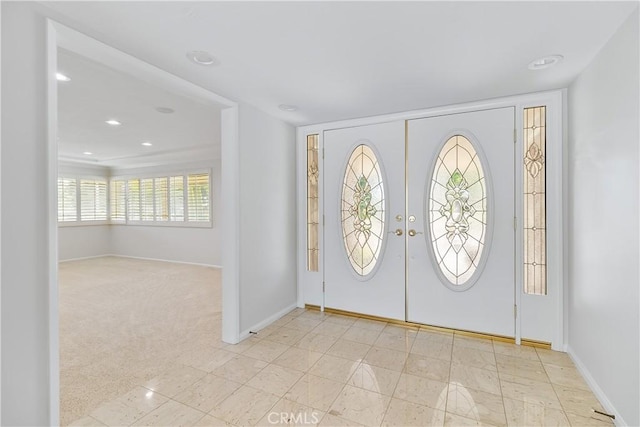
[338, 60]
[97, 93]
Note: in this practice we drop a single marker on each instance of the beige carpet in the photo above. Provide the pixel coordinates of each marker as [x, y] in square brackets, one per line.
[125, 321]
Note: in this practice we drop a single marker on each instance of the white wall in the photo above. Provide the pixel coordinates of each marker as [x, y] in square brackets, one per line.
[83, 241]
[603, 222]
[267, 217]
[25, 291]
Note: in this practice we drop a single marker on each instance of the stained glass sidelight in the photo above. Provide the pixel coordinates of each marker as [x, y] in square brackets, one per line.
[457, 210]
[535, 223]
[313, 213]
[363, 210]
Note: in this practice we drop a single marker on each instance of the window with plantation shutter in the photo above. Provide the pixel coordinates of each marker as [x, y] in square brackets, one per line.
[146, 199]
[118, 199]
[161, 191]
[198, 197]
[133, 199]
[176, 198]
[93, 200]
[67, 200]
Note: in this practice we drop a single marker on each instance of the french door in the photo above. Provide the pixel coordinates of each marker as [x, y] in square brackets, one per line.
[419, 220]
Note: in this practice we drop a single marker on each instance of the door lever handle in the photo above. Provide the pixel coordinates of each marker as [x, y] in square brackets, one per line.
[397, 232]
[413, 232]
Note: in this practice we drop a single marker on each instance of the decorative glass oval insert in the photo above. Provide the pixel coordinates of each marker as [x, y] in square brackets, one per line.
[363, 210]
[457, 210]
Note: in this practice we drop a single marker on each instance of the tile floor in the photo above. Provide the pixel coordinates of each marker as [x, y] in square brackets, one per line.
[311, 368]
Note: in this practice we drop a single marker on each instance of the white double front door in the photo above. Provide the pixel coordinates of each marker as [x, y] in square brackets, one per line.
[419, 220]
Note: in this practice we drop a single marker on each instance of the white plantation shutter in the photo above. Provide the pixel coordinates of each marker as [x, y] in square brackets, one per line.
[133, 199]
[67, 200]
[146, 199]
[118, 200]
[93, 200]
[176, 198]
[198, 197]
[161, 190]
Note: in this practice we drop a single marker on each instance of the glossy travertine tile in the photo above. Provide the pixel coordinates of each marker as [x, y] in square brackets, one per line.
[594, 420]
[361, 335]
[567, 376]
[171, 413]
[470, 342]
[330, 420]
[454, 420]
[334, 368]
[175, 380]
[266, 350]
[275, 379]
[579, 402]
[477, 405]
[535, 392]
[127, 409]
[316, 392]
[246, 406]
[116, 349]
[422, 391]
[512, 350]
[528, 414]
[348, 349]
[361, 406]
[396, 341]
[316, 342]
[434, 369]
[475, 378]
[432, 349]
[554, 357]
[473, 357]
[386, 358]
[402, 413]
[374, 378]
[210, 421]
[519, 367]
[240, 369]
[298, 358]
[205, 394]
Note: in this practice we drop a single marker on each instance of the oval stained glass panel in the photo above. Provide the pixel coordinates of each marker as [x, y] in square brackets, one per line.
[457, 210]
[363, 210]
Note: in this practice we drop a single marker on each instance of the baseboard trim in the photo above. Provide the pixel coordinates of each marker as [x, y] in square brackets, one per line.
[269, 320]
[165, 260]
[83, 258]
[597, 391]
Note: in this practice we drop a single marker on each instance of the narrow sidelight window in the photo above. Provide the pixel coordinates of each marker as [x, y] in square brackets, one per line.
[313, 214]
[535, 221]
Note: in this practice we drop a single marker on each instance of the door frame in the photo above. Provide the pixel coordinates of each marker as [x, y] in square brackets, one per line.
[59, 35]
[310, 284]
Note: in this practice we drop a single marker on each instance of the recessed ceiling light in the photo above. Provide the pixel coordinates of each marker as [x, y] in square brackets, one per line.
[201, 57]
[87, 153]
[287, 107]
[62, 78]
[165, 110]
[147, 144]
[545, 62]
[113, 122]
